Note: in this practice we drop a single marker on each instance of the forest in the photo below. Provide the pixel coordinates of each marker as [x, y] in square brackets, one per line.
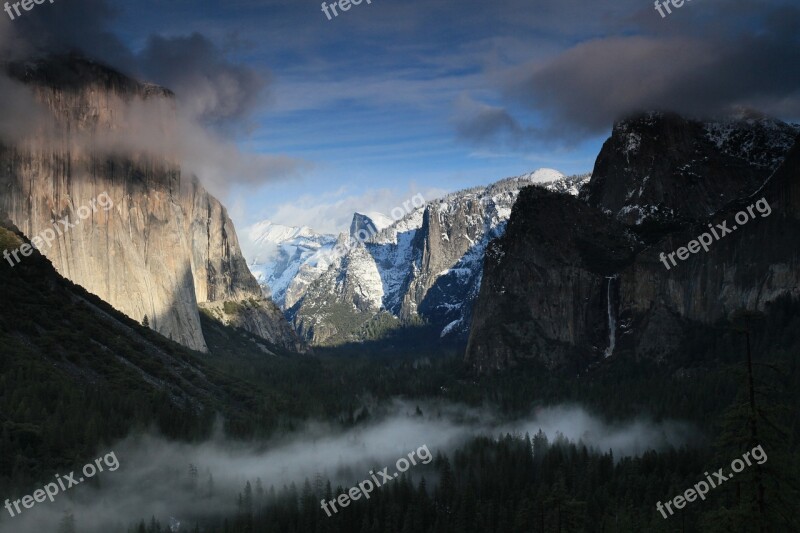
[62, 399]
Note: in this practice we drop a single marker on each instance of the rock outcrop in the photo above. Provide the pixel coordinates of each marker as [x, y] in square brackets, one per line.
[576, 280]
[545, 283]
[661, 167]
[160, 244]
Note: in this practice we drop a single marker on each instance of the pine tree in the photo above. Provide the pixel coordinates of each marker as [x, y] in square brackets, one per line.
[210, 485]
[67, 524]
[259, 496]
[763, 497]
[192, 477]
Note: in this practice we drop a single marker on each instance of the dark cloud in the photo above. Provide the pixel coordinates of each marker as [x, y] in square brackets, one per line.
[66, 26]
[215, 90]
[216, 96]
[586, 88]
[479, 123]
[19, 109]
[703, 71]
[212, 88]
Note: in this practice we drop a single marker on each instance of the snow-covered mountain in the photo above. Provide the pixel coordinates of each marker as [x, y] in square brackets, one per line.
[425, 267]
[371, 222]
[280, 257]
[285, 259]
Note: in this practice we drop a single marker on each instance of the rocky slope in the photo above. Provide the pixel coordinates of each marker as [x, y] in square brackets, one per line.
[571, 283]
[161, 245]
[661, 167]
[77, 372]
[83, 341]
[424, 268]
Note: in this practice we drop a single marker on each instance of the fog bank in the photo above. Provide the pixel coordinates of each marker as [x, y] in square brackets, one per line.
[154, 475]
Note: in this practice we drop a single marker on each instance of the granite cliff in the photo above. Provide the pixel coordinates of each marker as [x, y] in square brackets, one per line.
[573, 281]
[166, 247]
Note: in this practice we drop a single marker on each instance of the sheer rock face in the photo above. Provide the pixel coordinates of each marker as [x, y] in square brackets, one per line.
[154, 242]
[545, 283]
[569, 272]
[662, 167]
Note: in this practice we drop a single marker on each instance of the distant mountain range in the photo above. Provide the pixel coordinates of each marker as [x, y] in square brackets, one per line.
[285, 258]
[425, 268]
[576, 278]
[276, 254]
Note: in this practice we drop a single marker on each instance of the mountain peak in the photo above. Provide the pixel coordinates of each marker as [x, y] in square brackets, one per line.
[665, 167]
[75, 71]
[268, 232]
[368, 224]
[425, 266]
[545, 175]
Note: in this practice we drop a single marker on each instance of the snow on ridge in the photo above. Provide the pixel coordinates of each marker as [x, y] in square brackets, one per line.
[286, 260]
[276, 253]
[267, 232]
[545, 175]
[409, 223]
[380, 220]
[759, 139]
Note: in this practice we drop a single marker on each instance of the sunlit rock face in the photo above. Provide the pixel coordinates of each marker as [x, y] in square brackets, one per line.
[154, 242]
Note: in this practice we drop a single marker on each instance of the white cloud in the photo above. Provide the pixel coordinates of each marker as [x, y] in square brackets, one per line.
[332, 212]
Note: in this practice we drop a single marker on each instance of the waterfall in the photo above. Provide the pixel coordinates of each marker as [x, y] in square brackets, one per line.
[612, 320]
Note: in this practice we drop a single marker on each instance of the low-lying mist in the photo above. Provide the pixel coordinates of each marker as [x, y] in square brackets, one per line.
[154, 478]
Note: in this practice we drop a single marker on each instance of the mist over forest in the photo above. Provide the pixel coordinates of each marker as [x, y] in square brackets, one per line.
[165, 479]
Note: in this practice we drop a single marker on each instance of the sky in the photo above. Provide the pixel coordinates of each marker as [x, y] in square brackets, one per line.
[305, 120]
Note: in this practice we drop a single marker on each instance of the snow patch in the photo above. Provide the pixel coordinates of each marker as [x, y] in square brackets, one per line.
[449, 328]
[545, 175]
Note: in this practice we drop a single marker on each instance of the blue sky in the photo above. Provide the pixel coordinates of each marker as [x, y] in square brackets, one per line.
[367, 102]
[303, 120]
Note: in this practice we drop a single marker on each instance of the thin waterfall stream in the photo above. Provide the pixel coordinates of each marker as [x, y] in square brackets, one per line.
[612, 320]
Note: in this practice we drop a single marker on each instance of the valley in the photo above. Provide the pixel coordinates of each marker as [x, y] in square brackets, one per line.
[427, 269]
